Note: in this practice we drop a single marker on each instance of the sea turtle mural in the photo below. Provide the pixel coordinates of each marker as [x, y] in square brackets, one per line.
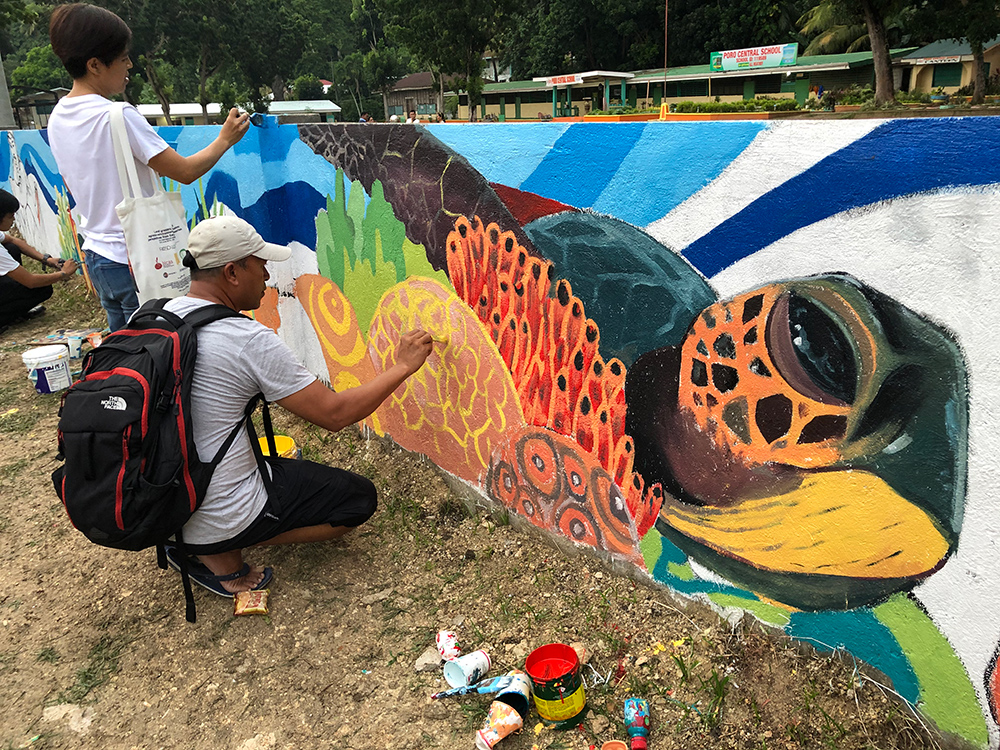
[805, 439]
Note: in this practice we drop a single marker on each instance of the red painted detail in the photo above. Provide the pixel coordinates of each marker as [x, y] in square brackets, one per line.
[119, 521]
[993, 686]
[526, 207]
[188, 481]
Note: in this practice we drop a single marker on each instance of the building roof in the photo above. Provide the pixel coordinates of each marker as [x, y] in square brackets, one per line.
[810, 64]
[591, 76]
[188, 109]
[805, 64]
[302, 107]
[192, 109]
[416, 81]
[948, 48]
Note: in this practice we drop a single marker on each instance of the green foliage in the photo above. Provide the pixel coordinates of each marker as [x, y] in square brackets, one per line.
[41, 70]
[307, 87]
[450, 38]
[13, 11]
[992, 87]
[364, 250]
[622, 111]
[913, 96]
[760, 104]
[853, 94]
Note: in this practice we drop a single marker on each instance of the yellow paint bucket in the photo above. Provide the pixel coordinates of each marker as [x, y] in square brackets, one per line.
[285, 446]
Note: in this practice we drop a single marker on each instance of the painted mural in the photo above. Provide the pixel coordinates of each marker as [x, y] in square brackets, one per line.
[752, 359]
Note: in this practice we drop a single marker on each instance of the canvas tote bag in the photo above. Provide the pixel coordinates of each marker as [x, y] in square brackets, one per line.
[156, 231]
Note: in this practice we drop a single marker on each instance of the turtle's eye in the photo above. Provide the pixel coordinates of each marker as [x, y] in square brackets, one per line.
[811, 351]
[822, 349]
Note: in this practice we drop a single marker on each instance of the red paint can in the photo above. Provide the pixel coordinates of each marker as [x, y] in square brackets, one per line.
[557, 684]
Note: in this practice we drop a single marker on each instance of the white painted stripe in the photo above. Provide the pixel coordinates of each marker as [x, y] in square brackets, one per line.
[781, 151]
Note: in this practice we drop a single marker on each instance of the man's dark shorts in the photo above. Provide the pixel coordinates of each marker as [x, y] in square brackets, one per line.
[308, 494]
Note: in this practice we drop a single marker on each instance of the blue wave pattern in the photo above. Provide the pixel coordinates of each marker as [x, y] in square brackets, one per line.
[637, 172]
[899, 158]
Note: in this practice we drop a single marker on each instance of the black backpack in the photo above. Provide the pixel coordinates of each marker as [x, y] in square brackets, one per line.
[132, 476]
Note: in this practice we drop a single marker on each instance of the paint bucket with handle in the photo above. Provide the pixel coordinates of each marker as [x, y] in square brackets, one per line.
[557, 684]
[48, 368]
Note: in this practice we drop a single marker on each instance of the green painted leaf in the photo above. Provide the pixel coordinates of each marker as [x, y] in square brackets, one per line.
[946, 693]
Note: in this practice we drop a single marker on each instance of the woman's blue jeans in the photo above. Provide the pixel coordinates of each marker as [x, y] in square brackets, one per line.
[115, 288]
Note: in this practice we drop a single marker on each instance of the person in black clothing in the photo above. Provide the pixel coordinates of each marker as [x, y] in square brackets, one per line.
[23, 292]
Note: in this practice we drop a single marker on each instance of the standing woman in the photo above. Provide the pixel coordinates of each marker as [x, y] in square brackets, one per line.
[93, 44]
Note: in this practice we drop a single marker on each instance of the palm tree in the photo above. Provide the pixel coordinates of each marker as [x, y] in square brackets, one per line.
[852, 25]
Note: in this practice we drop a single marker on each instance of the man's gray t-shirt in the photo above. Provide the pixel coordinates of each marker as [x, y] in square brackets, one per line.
[237, 359]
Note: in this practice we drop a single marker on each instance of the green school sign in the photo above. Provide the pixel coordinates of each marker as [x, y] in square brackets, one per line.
[777, 56]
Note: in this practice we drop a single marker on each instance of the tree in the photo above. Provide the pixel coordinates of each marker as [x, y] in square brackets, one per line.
[307, 87]
[449, 36]
[264, 57]
[41, 70]
[976, 21]
[11, 11]
[872, 14]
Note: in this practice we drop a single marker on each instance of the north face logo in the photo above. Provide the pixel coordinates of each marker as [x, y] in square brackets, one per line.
[114, 403]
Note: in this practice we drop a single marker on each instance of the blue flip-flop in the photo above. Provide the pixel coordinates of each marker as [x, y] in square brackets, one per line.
[201, 575]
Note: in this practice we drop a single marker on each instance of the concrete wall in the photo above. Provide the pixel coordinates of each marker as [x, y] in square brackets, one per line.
[756, 360]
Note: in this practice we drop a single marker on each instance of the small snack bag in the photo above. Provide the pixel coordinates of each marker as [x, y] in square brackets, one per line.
[250, 602]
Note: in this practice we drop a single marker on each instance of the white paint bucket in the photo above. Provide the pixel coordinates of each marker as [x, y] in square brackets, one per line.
[48, 367]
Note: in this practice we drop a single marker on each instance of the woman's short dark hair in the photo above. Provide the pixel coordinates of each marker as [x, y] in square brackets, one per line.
[79, 32]
[8, 203]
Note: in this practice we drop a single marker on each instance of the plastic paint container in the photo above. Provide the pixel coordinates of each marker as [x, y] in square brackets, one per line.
[48, 367]
[285, 446]
[557, 684]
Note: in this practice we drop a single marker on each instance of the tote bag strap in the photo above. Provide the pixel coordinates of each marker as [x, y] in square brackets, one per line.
[125, 161]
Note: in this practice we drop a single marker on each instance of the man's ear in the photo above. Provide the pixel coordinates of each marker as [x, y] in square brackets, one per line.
[229, 272]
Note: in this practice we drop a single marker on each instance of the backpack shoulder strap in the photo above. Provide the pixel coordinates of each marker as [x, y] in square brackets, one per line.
[209, 314]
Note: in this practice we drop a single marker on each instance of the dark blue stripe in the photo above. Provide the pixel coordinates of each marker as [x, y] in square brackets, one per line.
[899, 158]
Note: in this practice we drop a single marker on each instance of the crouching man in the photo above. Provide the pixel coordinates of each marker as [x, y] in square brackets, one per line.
[237, 359]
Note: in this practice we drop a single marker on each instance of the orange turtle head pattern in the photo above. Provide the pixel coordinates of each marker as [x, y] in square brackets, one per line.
[785, 374]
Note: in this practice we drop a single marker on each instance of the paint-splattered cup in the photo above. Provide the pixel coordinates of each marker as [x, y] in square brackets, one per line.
[467, 669]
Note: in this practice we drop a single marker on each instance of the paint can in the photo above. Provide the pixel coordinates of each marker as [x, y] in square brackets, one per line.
[557, 684]
[75, 343]
[467, 669]
[517, 694]
[48, 367]
[285, 446]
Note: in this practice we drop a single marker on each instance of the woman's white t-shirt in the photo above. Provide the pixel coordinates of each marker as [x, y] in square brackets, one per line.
[7, 263]
[80, 138]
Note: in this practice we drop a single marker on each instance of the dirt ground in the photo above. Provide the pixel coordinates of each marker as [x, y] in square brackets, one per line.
[95, 651]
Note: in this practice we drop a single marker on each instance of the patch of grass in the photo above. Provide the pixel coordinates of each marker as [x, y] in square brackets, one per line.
[716, 687]
[452, 508]
[102, 663]
[15, 422]
[48, 655]
[473, 714]
[684, 668]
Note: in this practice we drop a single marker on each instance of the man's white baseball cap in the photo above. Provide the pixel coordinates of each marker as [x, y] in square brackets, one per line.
[223, 239]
